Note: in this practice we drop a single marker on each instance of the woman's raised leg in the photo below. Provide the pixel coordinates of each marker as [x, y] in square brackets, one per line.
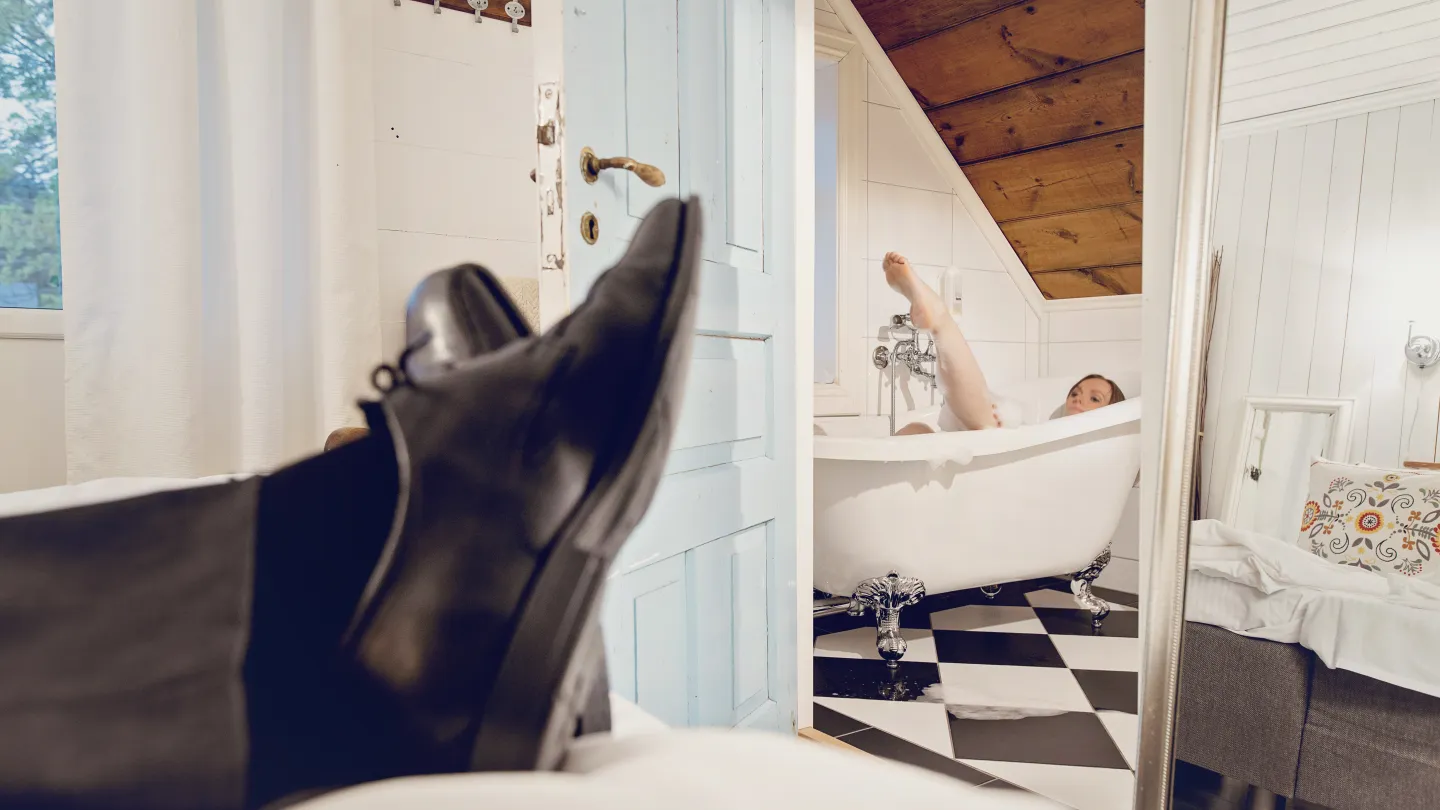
[958, 372]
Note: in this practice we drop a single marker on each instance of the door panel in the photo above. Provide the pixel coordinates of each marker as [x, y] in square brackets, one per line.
[698, 599]
[731, 583]
[645, 611]
[652, 92]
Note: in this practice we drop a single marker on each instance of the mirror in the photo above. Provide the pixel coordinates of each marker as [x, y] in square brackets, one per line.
[1281, 606]
[1280, 437]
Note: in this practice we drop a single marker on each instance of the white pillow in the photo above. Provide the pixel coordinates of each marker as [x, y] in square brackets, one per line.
[1373, 518]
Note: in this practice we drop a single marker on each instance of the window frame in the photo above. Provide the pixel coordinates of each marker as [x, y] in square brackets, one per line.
[846, 395]
[32, 324]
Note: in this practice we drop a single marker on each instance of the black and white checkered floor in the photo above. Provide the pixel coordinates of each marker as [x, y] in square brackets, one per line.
[1016, 692]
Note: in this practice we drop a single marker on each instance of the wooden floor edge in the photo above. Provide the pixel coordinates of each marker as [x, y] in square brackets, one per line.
[825, 739]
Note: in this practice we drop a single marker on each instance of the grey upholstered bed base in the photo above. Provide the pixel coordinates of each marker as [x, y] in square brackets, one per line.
[1276, 717]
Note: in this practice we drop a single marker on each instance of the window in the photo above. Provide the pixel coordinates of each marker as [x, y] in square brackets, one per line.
[840, 73]
[827, 272]
[29, 174]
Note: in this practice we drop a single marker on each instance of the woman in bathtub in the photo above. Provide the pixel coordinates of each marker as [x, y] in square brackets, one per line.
[969, 404]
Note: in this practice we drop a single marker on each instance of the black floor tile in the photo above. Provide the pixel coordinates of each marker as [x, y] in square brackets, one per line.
[873, 680]
[1064, 738]
[834, 723]
[1110, 691]
[1068, 622]
[996, 649]
[884, 744]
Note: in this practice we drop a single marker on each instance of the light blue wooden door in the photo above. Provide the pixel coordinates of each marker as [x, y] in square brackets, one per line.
[700, 611]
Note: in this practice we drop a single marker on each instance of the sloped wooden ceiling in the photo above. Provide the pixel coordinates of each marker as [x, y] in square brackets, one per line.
[1041, 103]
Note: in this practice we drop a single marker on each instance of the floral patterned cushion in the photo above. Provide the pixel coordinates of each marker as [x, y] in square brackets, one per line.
[1375, 519]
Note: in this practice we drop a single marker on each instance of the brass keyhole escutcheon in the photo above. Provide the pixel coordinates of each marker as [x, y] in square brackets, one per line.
[591, 165]
[589, 228]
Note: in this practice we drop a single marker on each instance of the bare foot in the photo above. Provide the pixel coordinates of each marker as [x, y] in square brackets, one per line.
[926, 308]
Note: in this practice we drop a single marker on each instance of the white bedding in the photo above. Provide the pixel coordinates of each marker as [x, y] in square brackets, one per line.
[1384, 626]
[643, 765]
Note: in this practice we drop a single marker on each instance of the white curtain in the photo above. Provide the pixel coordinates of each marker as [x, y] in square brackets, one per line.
[218, 230]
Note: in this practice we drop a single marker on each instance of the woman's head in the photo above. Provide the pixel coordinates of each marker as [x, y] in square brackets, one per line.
[1091, 392]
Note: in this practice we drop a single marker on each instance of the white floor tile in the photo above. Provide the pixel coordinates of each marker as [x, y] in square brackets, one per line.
[1125, 729]
[1096, 652]
[925, 724]
[1077, 787]
[860, 643]
[1018, 687]
[988, 618]
[1062, 599]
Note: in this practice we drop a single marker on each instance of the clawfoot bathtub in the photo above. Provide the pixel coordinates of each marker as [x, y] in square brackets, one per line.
[898, 516]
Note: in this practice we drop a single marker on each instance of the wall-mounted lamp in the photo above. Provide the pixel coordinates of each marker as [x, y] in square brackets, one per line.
[1421, 350]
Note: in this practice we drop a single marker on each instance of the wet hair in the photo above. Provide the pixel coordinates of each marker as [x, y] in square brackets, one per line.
[1116, 395]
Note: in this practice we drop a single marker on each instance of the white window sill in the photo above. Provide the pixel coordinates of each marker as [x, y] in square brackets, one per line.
[32, 324]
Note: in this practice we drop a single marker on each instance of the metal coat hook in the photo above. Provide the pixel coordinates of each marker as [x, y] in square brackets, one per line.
[516, 10]
[437, 6]
[479, 6]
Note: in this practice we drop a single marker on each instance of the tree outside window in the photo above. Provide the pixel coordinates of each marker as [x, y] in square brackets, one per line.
[29, 173]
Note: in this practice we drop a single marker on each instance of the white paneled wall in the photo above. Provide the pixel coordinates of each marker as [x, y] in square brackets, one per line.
[454, 147]
[1285, 55]
[1331, 234]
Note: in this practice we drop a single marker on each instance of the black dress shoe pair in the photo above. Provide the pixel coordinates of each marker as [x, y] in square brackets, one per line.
[423, 600]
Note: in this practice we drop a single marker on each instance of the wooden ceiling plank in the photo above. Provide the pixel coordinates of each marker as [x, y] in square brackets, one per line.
[1066, 284]
[1092, 100]
[1076, 240]
[1089, 173]
[1059, 284]
[895, 23]
[1016, 45]
[496, 11]
[1125, 278]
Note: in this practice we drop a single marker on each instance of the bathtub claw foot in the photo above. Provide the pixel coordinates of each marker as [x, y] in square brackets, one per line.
[887, 595]
[1082, 585]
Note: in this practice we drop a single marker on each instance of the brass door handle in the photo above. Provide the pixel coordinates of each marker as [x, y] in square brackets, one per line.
[591, 165]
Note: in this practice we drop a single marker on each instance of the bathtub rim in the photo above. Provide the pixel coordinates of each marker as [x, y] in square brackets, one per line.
[961, 447]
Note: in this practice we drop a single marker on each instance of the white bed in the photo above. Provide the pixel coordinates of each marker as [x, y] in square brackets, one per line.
[1383, 626]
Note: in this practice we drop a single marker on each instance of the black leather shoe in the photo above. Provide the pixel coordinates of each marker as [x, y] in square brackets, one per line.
[522, 471]
[454, 315]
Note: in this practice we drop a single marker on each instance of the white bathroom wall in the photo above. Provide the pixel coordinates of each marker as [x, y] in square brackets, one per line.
[454, 147]
[1330, 234]
[1288, 55]
[1094, 336]
[912, 209]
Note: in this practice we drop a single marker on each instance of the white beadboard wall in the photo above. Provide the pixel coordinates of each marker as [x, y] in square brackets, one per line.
[454, 147]
[1331, 233]
[911, 208]
[1287, 55]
